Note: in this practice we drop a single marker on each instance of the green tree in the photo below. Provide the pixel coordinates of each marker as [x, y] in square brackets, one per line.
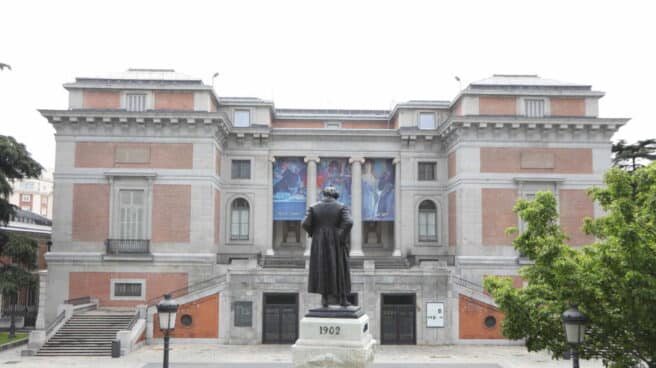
[17, 253]
[613, 281]
[632, 156]
[18, 257]
[15, 163]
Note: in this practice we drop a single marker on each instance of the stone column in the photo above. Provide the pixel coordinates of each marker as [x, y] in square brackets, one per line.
[356, 205]
[40, 323]
[269, 245]
[311, 191]
[397, 207]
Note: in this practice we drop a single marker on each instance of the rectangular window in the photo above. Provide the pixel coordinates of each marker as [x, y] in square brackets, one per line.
[427, 226]
[427, 120]
[26, 198]
[135, 102]
[242, 118]
[132, 205]
[128, 289]
[534, 108]
[241, 169]
[427, 171]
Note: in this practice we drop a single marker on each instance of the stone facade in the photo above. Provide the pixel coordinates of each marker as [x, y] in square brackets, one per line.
[155, 175]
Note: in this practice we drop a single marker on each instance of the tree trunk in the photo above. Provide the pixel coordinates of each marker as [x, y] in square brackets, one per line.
[12, 325]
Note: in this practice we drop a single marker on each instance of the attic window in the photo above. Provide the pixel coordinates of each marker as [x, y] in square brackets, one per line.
[426, 120]
[135, 102]
[534, 108]
[242, 118]
[332, 125]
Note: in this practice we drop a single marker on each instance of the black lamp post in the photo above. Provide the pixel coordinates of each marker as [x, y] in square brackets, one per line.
[574, 322]
[167, 310]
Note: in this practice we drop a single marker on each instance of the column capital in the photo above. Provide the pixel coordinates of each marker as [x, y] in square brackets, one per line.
[272, 159]
[396, 161]
[354, 159]
[307, 159]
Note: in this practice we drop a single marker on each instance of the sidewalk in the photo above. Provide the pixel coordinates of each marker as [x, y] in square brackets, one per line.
[279, 356]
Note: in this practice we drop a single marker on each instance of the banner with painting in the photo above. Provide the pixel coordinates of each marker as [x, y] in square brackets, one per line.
[289, 188]
[335, 172]
[378, 190]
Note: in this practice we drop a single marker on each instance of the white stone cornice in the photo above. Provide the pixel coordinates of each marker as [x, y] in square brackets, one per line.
[108, 117]
[131, 173]
[307, 159]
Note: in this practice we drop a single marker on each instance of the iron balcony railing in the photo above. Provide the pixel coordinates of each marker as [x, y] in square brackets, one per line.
[127, 246]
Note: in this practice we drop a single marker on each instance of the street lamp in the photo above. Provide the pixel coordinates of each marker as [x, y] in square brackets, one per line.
[574, 322]
[166, 311]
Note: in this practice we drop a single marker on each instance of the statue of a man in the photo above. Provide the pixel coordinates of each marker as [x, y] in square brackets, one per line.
[329, 224]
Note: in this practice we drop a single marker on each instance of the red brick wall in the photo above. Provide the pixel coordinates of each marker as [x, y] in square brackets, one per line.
[472, 314]
[174, 101]
[204, 314]
[451, 162]
[575, 205]
[90, 212]
[497, 105]
[497, 212]
[567, 106]
[162, 155]
[561, 160]
[453, 224]
[457, 108]
[171, 213]
[101, 100]
[98, 285]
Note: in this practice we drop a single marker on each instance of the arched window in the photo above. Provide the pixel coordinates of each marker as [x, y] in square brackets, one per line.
[427, 221]
[239, 220]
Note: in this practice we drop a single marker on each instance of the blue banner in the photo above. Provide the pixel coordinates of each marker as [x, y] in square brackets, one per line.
[378, 190]
[289, 188]
[335, 172]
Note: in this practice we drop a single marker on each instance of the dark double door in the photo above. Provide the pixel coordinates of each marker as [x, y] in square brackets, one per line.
[280, 322]
[398, 319]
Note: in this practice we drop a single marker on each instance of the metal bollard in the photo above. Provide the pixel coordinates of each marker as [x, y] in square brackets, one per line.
[116, 348]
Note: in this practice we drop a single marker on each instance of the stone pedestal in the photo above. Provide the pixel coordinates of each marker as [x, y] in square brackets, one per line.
[333, 342]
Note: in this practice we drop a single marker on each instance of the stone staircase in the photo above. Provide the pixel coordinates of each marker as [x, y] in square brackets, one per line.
[88, 334]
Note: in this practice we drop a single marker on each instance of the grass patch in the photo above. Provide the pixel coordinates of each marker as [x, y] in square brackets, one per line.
[4, 337]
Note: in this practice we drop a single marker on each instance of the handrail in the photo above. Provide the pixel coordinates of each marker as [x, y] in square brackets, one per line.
[78, 301]
[134, 320]
[189, 289]
[60, 317]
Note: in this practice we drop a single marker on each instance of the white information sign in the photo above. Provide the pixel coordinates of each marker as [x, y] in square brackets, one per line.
[435, 314]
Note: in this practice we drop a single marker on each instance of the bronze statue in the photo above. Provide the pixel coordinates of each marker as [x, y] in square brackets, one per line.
[329, 223]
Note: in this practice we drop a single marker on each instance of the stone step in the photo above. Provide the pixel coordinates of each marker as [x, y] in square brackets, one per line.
[86, 335]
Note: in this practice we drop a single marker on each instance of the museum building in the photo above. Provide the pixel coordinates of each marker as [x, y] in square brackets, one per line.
[161, 186]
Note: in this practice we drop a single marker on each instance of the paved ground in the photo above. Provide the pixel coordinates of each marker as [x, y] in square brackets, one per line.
[275, 356]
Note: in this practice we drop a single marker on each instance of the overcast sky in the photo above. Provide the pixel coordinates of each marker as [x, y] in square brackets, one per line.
[351, 54]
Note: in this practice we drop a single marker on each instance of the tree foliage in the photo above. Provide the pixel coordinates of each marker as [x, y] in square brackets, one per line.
[630, 157]
[15, 163]
[613, 281]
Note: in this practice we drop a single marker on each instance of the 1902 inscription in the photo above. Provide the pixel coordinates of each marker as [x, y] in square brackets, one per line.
[329, 330]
